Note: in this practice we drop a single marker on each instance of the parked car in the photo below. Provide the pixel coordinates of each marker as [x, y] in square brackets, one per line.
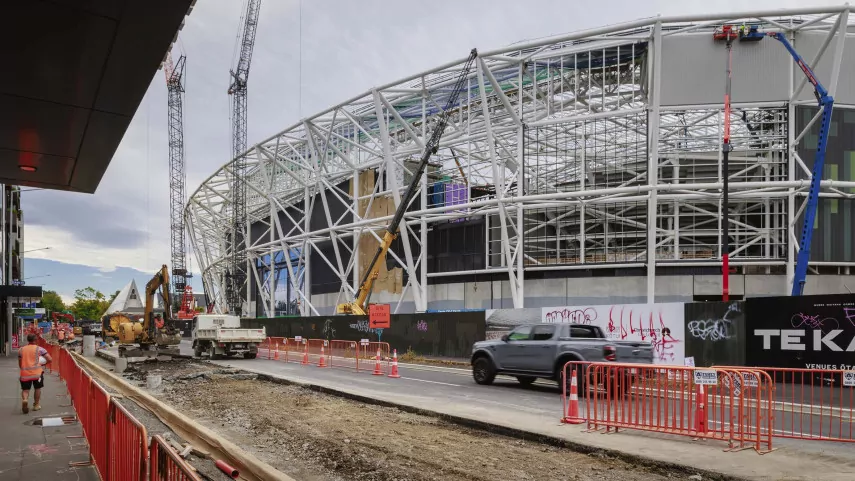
[535, 351]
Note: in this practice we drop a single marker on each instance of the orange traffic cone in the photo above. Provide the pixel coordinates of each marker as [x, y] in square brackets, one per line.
[394, 364]
[322, 361]
[701, 411]
[572, 416]
[377, 370]
[276, 354]
[305, 355]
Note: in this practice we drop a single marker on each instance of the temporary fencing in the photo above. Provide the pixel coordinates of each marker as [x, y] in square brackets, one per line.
[336, 353]
[812, 404]
[127, 445]
[724, 404]
[166, 465]
[97, 434]
[117, 441]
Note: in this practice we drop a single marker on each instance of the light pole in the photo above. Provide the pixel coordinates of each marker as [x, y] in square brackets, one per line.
[39, 249]
[36, 277]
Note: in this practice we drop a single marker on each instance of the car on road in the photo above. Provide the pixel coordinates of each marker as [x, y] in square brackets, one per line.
[535, 351]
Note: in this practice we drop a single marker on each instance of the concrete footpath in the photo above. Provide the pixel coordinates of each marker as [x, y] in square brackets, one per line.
[30, 451]
[789, 463]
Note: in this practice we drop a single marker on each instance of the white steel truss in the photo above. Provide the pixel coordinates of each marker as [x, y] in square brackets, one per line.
[560, 146]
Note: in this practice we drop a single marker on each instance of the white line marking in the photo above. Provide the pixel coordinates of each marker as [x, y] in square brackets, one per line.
[433, 382]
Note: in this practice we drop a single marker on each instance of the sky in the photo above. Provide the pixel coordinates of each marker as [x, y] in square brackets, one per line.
[309, 56]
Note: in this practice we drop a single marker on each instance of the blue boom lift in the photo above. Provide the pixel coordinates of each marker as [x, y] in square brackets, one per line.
[826, 104]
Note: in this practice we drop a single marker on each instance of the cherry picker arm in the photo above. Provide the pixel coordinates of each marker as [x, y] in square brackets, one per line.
[360, 305]
[826, 104]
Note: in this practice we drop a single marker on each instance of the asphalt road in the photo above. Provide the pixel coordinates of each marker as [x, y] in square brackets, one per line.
[455, 385]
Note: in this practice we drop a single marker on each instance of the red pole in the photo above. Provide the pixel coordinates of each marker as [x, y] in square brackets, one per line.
[725, 240]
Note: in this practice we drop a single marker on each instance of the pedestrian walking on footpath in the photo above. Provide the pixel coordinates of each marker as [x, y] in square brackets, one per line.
[32, 372]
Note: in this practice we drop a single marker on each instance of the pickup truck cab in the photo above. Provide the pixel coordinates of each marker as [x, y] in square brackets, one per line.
[535, 351]
[218, 335]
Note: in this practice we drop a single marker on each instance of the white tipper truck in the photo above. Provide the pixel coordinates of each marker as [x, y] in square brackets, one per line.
[216, 335]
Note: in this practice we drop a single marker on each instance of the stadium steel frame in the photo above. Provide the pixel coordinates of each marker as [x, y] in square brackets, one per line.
[584, 165]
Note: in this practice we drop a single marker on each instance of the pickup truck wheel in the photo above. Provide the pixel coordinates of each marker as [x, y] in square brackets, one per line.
[526, 380]
[249, 355]
[197, 351]
[483, 371]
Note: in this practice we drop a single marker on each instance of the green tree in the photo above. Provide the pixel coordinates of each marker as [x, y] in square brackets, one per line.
[112, 298]
[89, 303]
[51, 302]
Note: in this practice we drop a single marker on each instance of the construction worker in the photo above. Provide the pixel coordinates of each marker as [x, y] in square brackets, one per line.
[32, 372]
[60, 335]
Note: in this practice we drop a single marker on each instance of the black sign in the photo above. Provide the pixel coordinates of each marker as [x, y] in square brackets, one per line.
[809, 332]
[715, 333]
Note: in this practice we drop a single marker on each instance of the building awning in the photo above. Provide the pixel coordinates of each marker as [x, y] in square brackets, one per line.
[20, 291]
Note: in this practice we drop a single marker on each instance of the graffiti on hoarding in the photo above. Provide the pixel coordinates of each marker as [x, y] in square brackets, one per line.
[572, 316]
[329, 330]
[814, 322]
[661, 325]
[422, 326]
[714, 329]
[362, 326]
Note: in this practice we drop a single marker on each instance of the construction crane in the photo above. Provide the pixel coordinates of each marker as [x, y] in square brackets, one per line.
[360, 304]
[177, 174]
[237, 269]
[826, 103]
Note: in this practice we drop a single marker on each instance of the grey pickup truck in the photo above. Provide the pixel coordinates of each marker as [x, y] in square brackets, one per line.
[541, 350]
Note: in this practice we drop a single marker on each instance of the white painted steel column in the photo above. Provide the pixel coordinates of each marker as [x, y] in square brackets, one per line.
[791, 173]
[272, 288]
[582, 181]
[498, 181]
[423, 240]
[653, 162]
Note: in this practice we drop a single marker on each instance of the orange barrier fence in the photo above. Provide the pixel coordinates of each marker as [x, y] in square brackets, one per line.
[166, 465]
[336, 353]
[812, 404]
[117, 441]
[127, 445]
[99, 409]
[731, 405]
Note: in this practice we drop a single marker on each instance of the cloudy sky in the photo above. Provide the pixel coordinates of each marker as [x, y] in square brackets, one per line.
[307, 57]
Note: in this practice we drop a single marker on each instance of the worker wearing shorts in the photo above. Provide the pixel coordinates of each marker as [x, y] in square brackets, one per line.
[32, 372]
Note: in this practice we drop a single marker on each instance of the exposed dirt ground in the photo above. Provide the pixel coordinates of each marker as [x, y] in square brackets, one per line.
[319, 437]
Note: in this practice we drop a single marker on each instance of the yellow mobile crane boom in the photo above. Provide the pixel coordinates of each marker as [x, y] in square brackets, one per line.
[360, 305]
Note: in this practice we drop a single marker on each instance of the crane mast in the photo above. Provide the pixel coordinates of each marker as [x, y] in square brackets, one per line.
[237, 270]
[360, 304]
[177, 174]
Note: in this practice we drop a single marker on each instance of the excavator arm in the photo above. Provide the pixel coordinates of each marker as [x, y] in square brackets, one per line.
[159, 281]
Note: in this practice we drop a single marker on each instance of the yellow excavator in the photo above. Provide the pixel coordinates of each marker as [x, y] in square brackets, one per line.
[359, 306]
[155, 334]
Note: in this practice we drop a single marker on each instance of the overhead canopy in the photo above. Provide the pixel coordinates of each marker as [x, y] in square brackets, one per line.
[74, 73]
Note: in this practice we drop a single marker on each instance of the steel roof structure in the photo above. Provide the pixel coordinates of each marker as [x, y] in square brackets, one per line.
[595, 149]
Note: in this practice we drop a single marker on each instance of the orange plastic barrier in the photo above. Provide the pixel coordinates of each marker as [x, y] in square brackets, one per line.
[724, 404]
[166, 465]
[337, 353]
[343, 354]
[127, 445]
[97, 433]
[812, 404]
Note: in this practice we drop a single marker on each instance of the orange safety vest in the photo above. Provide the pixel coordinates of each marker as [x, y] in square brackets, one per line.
[31, 370]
